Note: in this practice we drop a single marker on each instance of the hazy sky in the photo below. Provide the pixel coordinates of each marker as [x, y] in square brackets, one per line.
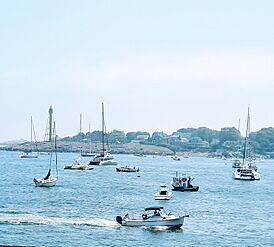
[157, 65]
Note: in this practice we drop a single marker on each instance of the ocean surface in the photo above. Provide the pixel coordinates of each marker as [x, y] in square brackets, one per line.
[81, 209]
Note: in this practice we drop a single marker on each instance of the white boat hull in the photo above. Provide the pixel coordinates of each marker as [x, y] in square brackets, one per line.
[248, 177]
[157, 196]
[108, 162]
[151, 222]
[78, 167]
[28, 156]
[41, 182]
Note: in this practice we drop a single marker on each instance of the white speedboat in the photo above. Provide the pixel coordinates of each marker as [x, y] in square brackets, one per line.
[163, 194]
[153, 217]
[107, 159]
[79, 166]
[247, 172]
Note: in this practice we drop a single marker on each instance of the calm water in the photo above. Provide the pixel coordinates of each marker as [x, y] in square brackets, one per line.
[81, 209]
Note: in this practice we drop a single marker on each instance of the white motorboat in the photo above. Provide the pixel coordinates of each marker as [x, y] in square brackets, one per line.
[29, 155]
[107, 159]
[153, 217]
[87, 154]
[248, 171]
[127, 169]
[79, 166]
[103, 159]
[163, 194]
[236, 164]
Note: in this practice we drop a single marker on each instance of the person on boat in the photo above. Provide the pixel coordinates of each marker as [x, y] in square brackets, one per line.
[156, 213]
[189, 185]
[144, 216]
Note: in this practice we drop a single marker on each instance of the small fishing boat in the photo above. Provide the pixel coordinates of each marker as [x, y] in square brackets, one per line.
[153, 217]
[163, 194]
[127, 169]
[183, 183]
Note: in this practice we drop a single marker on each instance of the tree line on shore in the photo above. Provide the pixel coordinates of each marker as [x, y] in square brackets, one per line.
[202, 139]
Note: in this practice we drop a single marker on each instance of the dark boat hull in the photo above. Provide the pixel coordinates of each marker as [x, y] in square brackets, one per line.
[94, 163]
[126, 170]
[181, 188]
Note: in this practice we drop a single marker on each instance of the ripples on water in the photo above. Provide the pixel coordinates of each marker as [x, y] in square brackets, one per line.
[81, 209]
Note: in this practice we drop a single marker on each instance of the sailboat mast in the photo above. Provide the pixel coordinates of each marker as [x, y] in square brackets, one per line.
[103, 129]
[31, 130]
[89, 138]
[246, 135]
[80, 129]
[55, 148]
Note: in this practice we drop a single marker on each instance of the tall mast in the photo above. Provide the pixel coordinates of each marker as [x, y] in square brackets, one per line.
[80, 130]
[31, 130]
[103, 128]
[246, 135]
[89, 138]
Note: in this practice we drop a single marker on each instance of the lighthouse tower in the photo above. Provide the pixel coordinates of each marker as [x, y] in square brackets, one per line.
[49, 128]
[50, 123]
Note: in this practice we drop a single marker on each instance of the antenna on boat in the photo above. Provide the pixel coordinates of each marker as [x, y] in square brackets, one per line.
[55, 147]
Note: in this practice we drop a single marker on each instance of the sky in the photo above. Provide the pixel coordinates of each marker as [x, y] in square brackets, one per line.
[157, 65]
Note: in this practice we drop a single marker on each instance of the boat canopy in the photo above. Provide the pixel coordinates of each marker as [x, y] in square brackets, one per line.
[154, 208]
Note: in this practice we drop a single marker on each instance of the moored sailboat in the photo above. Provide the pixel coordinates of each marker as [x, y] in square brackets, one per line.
[248, 170]
[103, 158]
[49, 180]
[30, 154]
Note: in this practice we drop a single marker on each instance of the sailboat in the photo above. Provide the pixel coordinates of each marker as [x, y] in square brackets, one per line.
[49, 180]
[89, 153]
[30, 154]
[248, 169]
[103, 158]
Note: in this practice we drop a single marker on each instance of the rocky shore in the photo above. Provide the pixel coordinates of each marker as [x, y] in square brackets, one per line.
[68, 146]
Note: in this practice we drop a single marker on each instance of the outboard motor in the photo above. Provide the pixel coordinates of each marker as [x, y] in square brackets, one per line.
[119, 219]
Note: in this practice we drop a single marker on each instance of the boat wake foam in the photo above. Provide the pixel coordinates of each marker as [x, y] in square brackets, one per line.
[31, 219]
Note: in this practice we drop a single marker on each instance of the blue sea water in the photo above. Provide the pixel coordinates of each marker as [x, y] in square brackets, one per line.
[81, 209]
